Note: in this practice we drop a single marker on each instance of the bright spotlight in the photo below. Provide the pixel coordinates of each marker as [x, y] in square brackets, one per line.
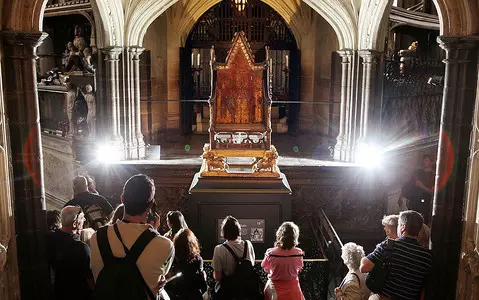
[106, 153]
[369, 156]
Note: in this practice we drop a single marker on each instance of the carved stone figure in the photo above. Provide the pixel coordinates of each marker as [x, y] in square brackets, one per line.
[91, 103]
[79, 42]
[87, 60]
[71, 98]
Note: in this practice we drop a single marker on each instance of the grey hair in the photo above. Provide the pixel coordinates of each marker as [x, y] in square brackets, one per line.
[352, 255]
[69, 215]
[391, 220]
[80, 184]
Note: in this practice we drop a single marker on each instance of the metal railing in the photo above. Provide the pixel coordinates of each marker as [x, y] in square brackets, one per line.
[330, 245]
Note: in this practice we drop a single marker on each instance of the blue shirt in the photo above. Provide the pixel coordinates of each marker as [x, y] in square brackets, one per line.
[410, 265]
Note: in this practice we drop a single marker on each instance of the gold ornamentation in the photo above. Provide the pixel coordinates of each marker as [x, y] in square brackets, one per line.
[268, 163]
[212, 164]
[215, 165]
[413, 46]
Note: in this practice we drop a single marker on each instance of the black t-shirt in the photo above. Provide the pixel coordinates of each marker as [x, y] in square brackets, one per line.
[69, 259]
[86, 199]
[192, 284]
[414, 193]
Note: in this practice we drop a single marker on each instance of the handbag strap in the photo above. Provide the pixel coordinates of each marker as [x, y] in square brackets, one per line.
[344, 279]
[231, 251]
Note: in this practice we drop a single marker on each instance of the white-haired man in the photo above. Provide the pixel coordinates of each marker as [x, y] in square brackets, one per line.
[69, 258]
[97, 209]
[410, 263]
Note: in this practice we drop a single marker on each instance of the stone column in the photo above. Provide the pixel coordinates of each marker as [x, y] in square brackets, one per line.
[307, 82]
[369, 119]
[341, 148]
[139, 143]
[21, 101]
[112, 96]
[456, 124]
[173, 78]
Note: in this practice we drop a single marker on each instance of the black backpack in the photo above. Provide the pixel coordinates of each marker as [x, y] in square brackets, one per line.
[376, 278]
[244, 283]
[120, 277]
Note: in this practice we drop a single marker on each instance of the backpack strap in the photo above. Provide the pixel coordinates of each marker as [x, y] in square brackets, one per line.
[104, 245]
[231, 251]
[135, 251]
[356, 275]
[245, 249]
[141, 243]
[118, 235]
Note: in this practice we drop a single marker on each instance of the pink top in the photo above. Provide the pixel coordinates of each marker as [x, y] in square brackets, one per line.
[283, 264]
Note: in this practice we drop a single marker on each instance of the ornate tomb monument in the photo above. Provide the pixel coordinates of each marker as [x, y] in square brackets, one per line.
[239, 175]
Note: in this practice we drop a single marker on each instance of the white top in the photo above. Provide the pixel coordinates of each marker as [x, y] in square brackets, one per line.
[154, 262]
[351, 289]
[224, 262]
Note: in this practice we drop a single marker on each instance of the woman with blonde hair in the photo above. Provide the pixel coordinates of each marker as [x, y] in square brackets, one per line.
[353, 286]
[283, 264]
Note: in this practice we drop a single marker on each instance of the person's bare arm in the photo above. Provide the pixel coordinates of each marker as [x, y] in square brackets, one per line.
[366, 265]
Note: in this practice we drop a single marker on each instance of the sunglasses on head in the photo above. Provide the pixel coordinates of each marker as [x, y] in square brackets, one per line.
[77, 216]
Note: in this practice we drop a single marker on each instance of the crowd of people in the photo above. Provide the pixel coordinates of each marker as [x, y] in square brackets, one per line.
[97, 252]
[404, 252]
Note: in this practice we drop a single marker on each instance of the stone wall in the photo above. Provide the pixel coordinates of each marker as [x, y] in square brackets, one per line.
[60, 168]
[156, 42]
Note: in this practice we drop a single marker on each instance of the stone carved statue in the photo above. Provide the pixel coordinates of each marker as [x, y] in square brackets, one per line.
[91, 103]
[87, 60]
[78, 57]
[71, 98]
[79, 42]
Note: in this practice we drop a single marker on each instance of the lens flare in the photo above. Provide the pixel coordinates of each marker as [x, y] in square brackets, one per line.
[446, 154]
[28, 148]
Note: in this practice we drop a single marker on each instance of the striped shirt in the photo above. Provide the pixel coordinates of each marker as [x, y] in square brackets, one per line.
[410, 265]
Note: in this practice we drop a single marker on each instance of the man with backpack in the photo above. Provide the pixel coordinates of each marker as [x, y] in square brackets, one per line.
[96, 208]
[233, 263]
[130, 259]
[403, 264]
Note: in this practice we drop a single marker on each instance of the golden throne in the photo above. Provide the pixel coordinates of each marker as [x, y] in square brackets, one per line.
[240, 116]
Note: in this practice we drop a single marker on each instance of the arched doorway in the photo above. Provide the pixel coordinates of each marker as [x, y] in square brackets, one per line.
[263, 27]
